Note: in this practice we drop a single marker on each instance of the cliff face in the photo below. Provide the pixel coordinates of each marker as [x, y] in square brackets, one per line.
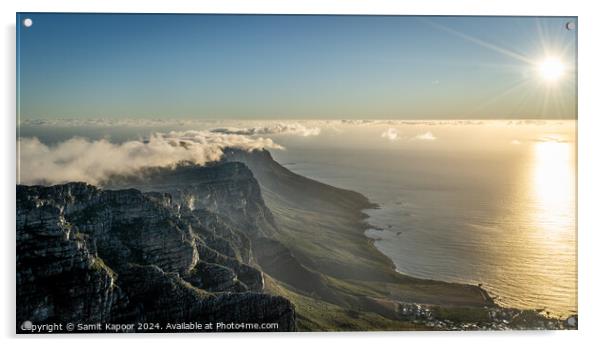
[90, 255]
[229, 196]
[229, 191]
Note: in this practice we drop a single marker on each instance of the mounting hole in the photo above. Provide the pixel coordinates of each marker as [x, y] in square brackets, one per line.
[27, 22]
[570, 25]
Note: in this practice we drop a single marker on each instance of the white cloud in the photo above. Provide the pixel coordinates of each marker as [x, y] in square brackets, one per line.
[393, 134]
[272, 129]
[225, 126]
[359, 121]
[551, 138]
[403, 122]
[515, 142]
[427, 136]
[80, 159]
[390, 134]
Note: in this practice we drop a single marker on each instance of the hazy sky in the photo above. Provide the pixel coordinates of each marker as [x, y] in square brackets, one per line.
[293, 67]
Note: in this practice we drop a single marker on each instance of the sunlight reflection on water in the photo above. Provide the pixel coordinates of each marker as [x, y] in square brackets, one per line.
[501, 213]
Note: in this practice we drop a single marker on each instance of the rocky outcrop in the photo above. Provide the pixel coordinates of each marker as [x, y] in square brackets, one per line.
[59, 275]
[90, 255]
[227, 190]
[164, 296]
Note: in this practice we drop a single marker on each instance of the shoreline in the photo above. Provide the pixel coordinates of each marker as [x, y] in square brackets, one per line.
[372, 243]
[333, 222]
[500, 317]
[323, 228]
[487, 296]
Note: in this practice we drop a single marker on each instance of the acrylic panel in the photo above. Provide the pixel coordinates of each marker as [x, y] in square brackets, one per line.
[220, 173]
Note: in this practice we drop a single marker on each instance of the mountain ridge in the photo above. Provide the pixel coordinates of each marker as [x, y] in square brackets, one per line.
[245, 234]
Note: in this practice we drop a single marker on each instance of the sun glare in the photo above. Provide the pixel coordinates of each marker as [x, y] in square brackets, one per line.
[551, 69]
[553, 184]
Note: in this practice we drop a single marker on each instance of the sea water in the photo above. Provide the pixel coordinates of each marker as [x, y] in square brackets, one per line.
[491, 203]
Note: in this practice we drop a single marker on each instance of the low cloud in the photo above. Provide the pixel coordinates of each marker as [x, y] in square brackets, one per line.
[359, 121]
[391, 134]
[118, 122]
[427, 136]
[527, 122]
[551, 138]
[402, 122]
[273, 129]
[80, 159]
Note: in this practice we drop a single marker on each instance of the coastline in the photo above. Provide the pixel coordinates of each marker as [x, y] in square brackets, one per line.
[372, 242]
[532, 318]
[487, 298]
[326, 258]
[324, 228]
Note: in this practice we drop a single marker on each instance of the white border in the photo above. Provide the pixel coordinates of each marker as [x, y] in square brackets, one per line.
[590, 208]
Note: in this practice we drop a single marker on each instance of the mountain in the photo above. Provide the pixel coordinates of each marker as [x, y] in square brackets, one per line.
[90, 255]
[239, 240]
[307, 237]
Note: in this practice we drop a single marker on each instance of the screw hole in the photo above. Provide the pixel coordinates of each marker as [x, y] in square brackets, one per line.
[570, 26]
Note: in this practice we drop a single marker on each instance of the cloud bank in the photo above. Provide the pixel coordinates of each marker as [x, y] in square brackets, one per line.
[118, 122]
[273, 129]
[80, 159]
[273, 126]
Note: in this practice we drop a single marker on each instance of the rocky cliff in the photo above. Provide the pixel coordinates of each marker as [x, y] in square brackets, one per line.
[90, 255]
[230, 194]
[229, 190]
[241, 240]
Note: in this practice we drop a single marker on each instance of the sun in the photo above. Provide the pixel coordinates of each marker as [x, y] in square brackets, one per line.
[551, 69]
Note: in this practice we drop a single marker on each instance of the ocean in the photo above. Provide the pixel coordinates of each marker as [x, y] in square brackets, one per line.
[490, 204]
[480, 202]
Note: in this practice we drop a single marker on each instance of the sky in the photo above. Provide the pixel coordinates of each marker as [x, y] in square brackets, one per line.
[117, 66]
